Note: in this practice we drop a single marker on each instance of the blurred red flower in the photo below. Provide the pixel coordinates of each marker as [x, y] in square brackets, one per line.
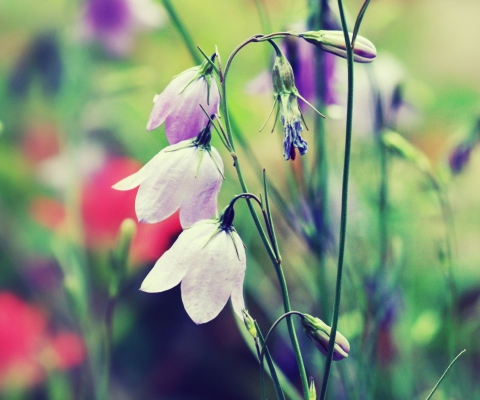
[27, 349]
[103, 209]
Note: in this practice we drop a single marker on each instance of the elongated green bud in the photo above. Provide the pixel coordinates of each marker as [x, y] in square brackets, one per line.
[249, 324]
[334, 42]
[312, 392]
[319, 332]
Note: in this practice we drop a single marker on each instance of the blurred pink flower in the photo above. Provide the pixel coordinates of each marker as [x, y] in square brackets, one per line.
[27, 350]
[185, 176]
[209, 259]
[179, 104]
[114, 23]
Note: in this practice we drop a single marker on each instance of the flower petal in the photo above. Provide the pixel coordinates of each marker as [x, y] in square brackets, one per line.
[238, 302]
[201, 202]
[168, 100]
[207, 286]
[161, 194]
[187, 119]
[169, 270]
[136, 179]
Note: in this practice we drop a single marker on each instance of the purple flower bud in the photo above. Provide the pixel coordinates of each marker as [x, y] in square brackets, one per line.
[334, 42]
[179, 104]
[319, 332]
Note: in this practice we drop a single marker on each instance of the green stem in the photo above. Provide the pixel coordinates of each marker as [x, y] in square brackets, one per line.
[448, 259]
[343, 219]
[318, 193]
[271, 253]
[444, 374]
[192, 48]
[264, 352]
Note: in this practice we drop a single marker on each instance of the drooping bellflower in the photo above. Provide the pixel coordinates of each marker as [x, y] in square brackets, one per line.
[209, 259]
[286, 96]
[185, 176]
[179, 104]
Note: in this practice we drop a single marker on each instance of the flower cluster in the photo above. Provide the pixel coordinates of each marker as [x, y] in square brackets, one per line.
[208, 256]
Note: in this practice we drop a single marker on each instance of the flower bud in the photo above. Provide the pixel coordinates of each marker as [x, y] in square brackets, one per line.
[319, 332]
[312, 392]
[282, 77]
[334, 42]
[249, 324]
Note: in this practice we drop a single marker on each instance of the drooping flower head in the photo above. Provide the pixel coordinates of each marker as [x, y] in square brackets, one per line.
[185, 176]
[286, 96]
[209, 259]
[319, 332]
[179, 104]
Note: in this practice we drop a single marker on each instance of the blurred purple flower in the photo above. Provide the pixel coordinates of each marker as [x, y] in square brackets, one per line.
[185, 176]
[209, 259]
[301, 55]
[179, 104]
[459, 157]
[41, 59]
[114, 23]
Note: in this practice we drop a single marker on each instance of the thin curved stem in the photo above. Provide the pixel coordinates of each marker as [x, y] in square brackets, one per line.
[276, 263]
[264, 344]
[444, 374]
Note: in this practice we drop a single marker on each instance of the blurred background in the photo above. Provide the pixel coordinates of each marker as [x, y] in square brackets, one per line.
[77, 79]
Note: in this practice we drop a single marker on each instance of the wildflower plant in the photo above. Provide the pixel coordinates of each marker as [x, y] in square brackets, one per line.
[208, 258]
[208, 254]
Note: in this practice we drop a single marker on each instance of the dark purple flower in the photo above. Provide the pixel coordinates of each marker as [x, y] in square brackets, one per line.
[459, 157]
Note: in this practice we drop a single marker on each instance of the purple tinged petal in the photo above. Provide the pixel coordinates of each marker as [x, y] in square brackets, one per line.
[170, 269]
[207, 287]
[186, 118]
[165, 102]
[201, 203]
[136, 179]
[237, 292]
[161, 194]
